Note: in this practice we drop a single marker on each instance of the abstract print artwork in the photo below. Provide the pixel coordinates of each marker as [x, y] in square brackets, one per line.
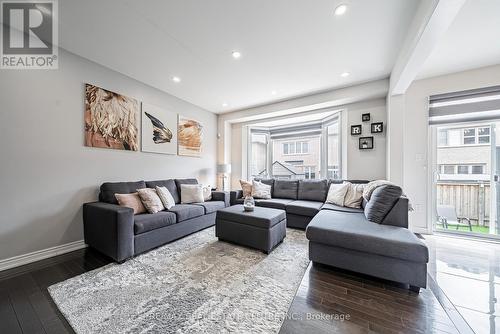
[190, 136]
[159, 130]
[110, 119]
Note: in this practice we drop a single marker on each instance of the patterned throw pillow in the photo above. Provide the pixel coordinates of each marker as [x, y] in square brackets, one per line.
[207, 193]
[151, 200]
[354, 196]
[261, 190]
[191, 193]
[336, 193]
[246, 187]
[166, 197]
[131, 201]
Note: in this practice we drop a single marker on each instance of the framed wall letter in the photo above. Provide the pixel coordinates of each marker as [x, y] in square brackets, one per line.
[377, 127]
[355, 130]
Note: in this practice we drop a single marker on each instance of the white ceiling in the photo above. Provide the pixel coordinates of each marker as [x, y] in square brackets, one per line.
[472, 41]
[294, 47]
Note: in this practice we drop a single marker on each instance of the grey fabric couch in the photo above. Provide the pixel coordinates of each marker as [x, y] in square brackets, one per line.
[344, 237]
[301, 199]
[119, 234]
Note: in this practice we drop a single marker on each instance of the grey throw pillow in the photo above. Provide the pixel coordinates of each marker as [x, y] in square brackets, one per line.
[381, 202]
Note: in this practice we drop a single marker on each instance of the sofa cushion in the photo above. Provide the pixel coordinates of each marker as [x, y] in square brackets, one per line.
[313, 190]
[241, 200]
[148, 222]
[304, 208]
[382, 200]
[275, 203]
[211, 206]
[169, 184]
[260, 217]
[328, 206]
[109, 189]
[187, 211]
[285, 189]
[354, 231]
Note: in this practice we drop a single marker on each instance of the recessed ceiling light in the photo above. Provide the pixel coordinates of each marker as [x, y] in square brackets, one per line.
[236, 54]
[345, 74]
[274, 92]
[224, 104]
[341, 9]
[176, 79]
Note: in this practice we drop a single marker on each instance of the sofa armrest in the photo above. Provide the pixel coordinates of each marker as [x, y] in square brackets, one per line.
[221, 196]
[109, 228]
[398, 216]
[234, 195]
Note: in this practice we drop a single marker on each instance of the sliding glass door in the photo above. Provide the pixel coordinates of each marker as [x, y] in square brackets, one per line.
[466, 183]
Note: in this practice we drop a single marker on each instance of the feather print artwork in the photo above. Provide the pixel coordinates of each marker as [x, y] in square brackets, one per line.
[110, 119]
[190, 137]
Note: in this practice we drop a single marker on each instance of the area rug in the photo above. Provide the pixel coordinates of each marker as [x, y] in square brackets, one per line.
[194, 285]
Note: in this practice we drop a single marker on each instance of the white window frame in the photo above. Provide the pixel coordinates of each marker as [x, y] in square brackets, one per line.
[296, 145]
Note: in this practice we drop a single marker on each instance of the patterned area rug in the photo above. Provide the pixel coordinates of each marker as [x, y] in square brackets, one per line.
[194, 285]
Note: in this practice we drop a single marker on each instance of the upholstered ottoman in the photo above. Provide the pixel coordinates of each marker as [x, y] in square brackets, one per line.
[263, 228]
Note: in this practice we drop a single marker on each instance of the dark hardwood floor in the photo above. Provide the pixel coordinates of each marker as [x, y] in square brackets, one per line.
[25, 304]
[336, 301]
[327, 301]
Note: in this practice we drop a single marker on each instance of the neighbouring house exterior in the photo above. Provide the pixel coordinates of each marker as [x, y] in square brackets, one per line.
[297, 158]
[464, 170]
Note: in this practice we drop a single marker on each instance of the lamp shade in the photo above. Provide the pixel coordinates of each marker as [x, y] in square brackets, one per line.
[224, 168]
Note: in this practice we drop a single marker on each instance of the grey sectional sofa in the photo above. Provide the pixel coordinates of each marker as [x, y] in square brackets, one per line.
[119, 234]
[303, 199]
[381, 246]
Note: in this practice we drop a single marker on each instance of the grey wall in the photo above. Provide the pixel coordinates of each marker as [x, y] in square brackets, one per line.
[365, 164]
[47, 173]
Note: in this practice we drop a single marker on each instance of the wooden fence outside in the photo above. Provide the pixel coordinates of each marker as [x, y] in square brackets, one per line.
[471, 200]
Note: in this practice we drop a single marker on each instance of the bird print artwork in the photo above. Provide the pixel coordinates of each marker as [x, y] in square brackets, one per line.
[110, 119]
[161, 134]
[159, 129]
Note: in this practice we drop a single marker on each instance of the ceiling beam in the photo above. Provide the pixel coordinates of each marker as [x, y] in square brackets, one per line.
[429, 24]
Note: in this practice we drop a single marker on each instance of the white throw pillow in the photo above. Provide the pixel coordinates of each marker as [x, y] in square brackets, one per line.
[166, 197]
[261, 190]
[354, 196]
[336, 193]
[191, 193]
[207, 193]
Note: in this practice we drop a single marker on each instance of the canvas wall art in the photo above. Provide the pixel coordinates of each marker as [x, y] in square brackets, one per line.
[159, 130]
[190, 137]
[110, 119]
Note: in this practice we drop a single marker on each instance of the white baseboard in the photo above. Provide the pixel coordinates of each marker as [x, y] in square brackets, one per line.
[20, 260]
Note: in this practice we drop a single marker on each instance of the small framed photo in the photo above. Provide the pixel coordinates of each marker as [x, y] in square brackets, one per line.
[355, 130]
[366, 143]
[365, 117]
[377, 127]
